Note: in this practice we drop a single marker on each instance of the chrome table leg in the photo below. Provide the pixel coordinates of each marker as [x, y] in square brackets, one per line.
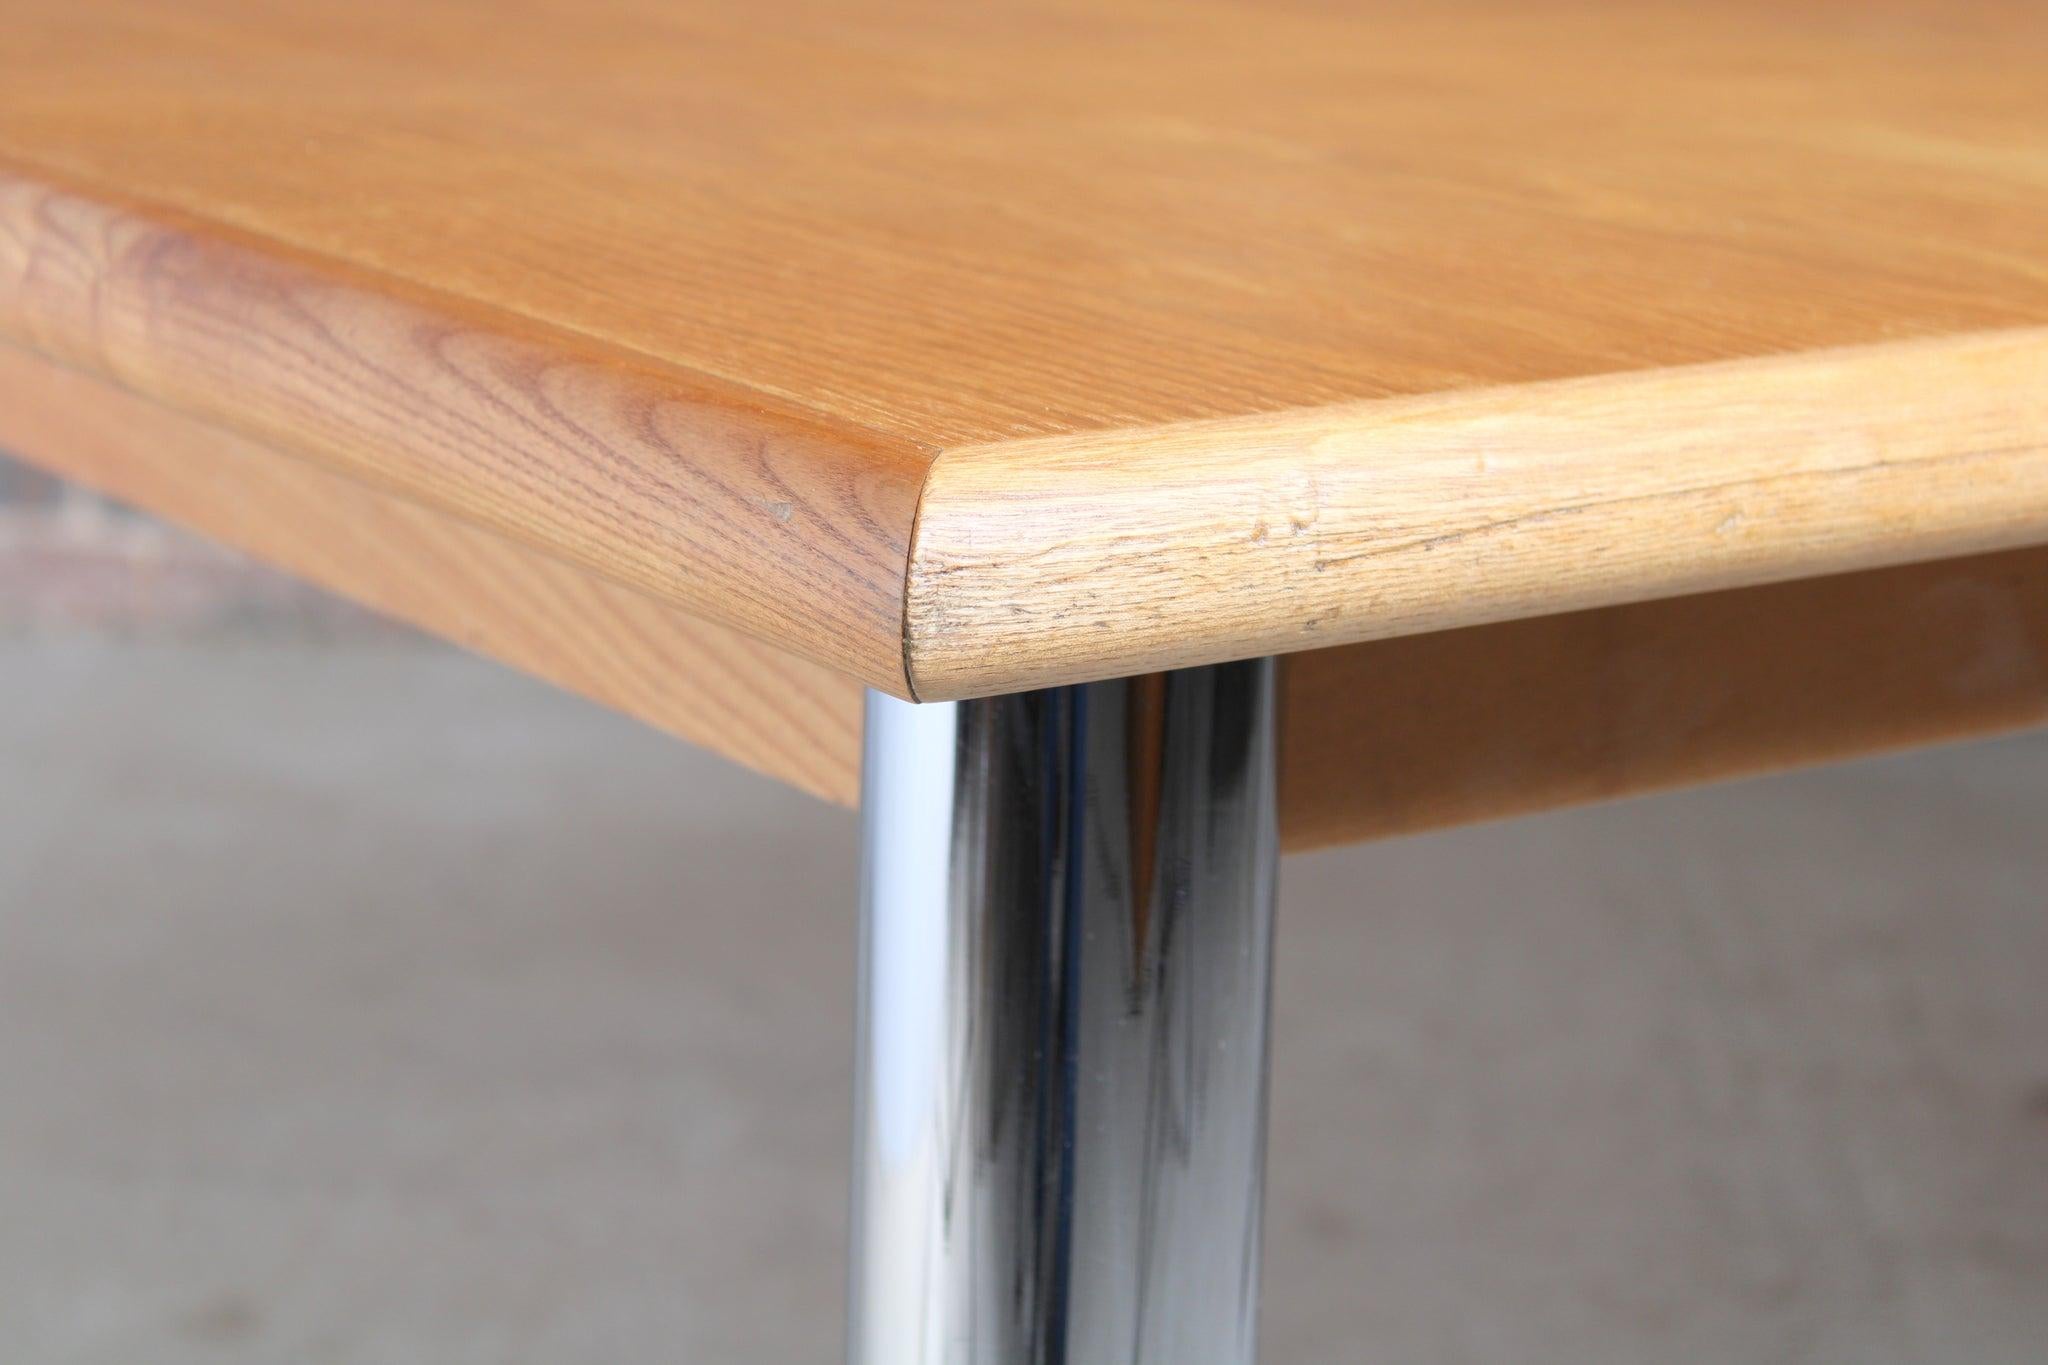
[1061, 1087]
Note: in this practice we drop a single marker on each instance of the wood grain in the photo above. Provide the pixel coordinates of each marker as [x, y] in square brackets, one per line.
[1115, 553]
[789, 527]
[778, 714]
[693, 294]
[962, 226]
[1389, 737]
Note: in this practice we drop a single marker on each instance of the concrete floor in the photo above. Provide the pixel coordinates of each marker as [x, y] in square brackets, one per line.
[370, 1004]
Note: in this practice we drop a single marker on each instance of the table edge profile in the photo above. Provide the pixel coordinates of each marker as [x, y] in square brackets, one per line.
[938, 574]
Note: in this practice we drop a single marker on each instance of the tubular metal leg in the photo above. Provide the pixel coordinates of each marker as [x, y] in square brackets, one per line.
[1065, 962]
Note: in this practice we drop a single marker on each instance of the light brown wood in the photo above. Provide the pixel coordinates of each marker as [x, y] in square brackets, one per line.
[693, 295]
[1389, 737]
[784, 716]
[1110, 554]
[783, 525]
[1403, 735]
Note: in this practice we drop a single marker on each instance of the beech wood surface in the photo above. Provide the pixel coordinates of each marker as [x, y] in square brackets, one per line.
[1217, 328]
[1388, 737]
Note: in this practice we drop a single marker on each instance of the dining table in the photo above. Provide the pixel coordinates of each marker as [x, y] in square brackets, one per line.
[1111, 443]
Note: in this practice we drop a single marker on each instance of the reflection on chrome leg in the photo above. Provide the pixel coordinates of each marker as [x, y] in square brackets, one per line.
[1065, 962]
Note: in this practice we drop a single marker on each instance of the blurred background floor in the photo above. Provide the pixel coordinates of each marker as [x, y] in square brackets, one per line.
[363, 1002]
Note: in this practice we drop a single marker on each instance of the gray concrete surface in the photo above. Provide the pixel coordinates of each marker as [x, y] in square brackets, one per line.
[370, 1004]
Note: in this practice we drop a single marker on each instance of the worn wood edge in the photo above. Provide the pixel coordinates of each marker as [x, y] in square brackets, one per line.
[738, 506]
[1425, 731]
[1378, 739]
[771, 711]
[1029, 563]
[1054, 560]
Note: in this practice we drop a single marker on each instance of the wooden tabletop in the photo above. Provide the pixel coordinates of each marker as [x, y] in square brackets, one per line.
[971, 348]
[961, 349]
